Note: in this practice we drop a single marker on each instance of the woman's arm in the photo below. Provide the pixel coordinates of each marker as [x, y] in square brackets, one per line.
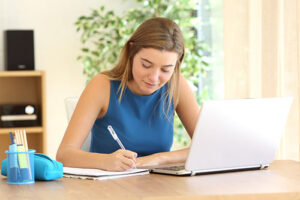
[92, 104]
[188, 111]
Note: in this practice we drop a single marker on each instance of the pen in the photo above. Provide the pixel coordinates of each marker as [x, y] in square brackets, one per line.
[114, 135]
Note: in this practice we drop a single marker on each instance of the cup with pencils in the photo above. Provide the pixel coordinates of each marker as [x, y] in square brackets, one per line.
[20, 160]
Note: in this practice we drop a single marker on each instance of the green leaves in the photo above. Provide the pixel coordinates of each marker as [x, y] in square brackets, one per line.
[103, 34]
[85, 50]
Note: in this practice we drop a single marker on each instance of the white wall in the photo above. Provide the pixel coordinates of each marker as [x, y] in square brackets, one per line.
[57, 45]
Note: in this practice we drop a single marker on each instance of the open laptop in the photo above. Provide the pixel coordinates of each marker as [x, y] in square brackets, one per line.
[232, 135]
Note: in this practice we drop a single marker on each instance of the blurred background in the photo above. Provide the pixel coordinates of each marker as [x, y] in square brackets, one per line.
[235, 49]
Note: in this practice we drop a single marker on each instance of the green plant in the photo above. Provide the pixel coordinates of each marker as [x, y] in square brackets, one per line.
[103, 34]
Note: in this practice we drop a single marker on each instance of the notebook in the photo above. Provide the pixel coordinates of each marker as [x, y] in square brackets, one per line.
[97, 174]
[232, 135]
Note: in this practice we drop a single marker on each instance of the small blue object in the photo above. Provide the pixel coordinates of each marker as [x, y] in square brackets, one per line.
[14, 174]
[11, 138]
[13, 163]
[24, 173]
[45, 168]
[14, 160]
[18, 175]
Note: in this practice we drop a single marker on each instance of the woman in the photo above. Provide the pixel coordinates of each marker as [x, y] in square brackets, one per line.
[138, 98]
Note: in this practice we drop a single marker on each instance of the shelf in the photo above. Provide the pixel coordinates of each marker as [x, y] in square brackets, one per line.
[24, 87]
[29, 130]
[21, 73]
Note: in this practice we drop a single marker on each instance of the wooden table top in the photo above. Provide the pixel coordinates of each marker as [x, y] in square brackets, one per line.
[280, 181]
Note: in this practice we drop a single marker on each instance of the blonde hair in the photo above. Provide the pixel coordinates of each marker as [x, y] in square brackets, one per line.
[158, 33]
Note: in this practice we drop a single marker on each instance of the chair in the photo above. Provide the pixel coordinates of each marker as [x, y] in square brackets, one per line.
[70, 103]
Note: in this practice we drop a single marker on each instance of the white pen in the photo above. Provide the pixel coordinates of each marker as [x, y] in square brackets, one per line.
[114, 135]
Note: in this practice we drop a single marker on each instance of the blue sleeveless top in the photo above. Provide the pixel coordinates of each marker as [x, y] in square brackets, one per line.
[139, 122]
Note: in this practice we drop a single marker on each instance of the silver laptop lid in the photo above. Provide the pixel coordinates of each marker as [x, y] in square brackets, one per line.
[238, 133]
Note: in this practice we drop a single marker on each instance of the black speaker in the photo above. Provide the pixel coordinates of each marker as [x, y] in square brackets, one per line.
[19, 50]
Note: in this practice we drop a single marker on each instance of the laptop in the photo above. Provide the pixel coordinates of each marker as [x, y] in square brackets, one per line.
[233, 135]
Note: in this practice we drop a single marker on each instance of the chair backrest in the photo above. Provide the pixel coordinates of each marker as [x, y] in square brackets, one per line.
[70, 103]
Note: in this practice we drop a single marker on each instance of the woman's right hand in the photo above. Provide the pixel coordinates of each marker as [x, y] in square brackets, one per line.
[120, 160]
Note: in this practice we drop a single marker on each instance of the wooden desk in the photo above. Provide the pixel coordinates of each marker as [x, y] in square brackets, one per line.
[280, 181]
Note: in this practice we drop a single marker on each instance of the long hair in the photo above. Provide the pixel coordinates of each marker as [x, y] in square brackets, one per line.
[158, 33]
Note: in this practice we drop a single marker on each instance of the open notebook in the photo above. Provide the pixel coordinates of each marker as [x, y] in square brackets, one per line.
[97, 174]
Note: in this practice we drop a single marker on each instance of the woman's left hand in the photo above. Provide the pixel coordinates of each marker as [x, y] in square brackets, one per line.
[162, 159]
[149, 161]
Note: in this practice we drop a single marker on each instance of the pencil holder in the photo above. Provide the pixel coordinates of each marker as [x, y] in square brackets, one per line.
[20, 167]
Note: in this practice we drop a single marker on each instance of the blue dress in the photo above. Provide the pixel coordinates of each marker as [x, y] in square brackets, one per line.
[139, 122]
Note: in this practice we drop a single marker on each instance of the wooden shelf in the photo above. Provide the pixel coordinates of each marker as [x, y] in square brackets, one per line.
[29, 130]
[20, 73]
[19, 88]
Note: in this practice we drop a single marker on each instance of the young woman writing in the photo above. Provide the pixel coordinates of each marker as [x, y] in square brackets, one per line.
[138, 98]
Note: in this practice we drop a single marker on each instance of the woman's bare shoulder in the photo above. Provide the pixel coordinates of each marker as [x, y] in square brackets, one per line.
[98, 88]
[96, 94]
[100, 79]
[100, 83]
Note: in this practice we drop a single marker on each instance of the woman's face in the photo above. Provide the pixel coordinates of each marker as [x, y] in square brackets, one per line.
[151, 69]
